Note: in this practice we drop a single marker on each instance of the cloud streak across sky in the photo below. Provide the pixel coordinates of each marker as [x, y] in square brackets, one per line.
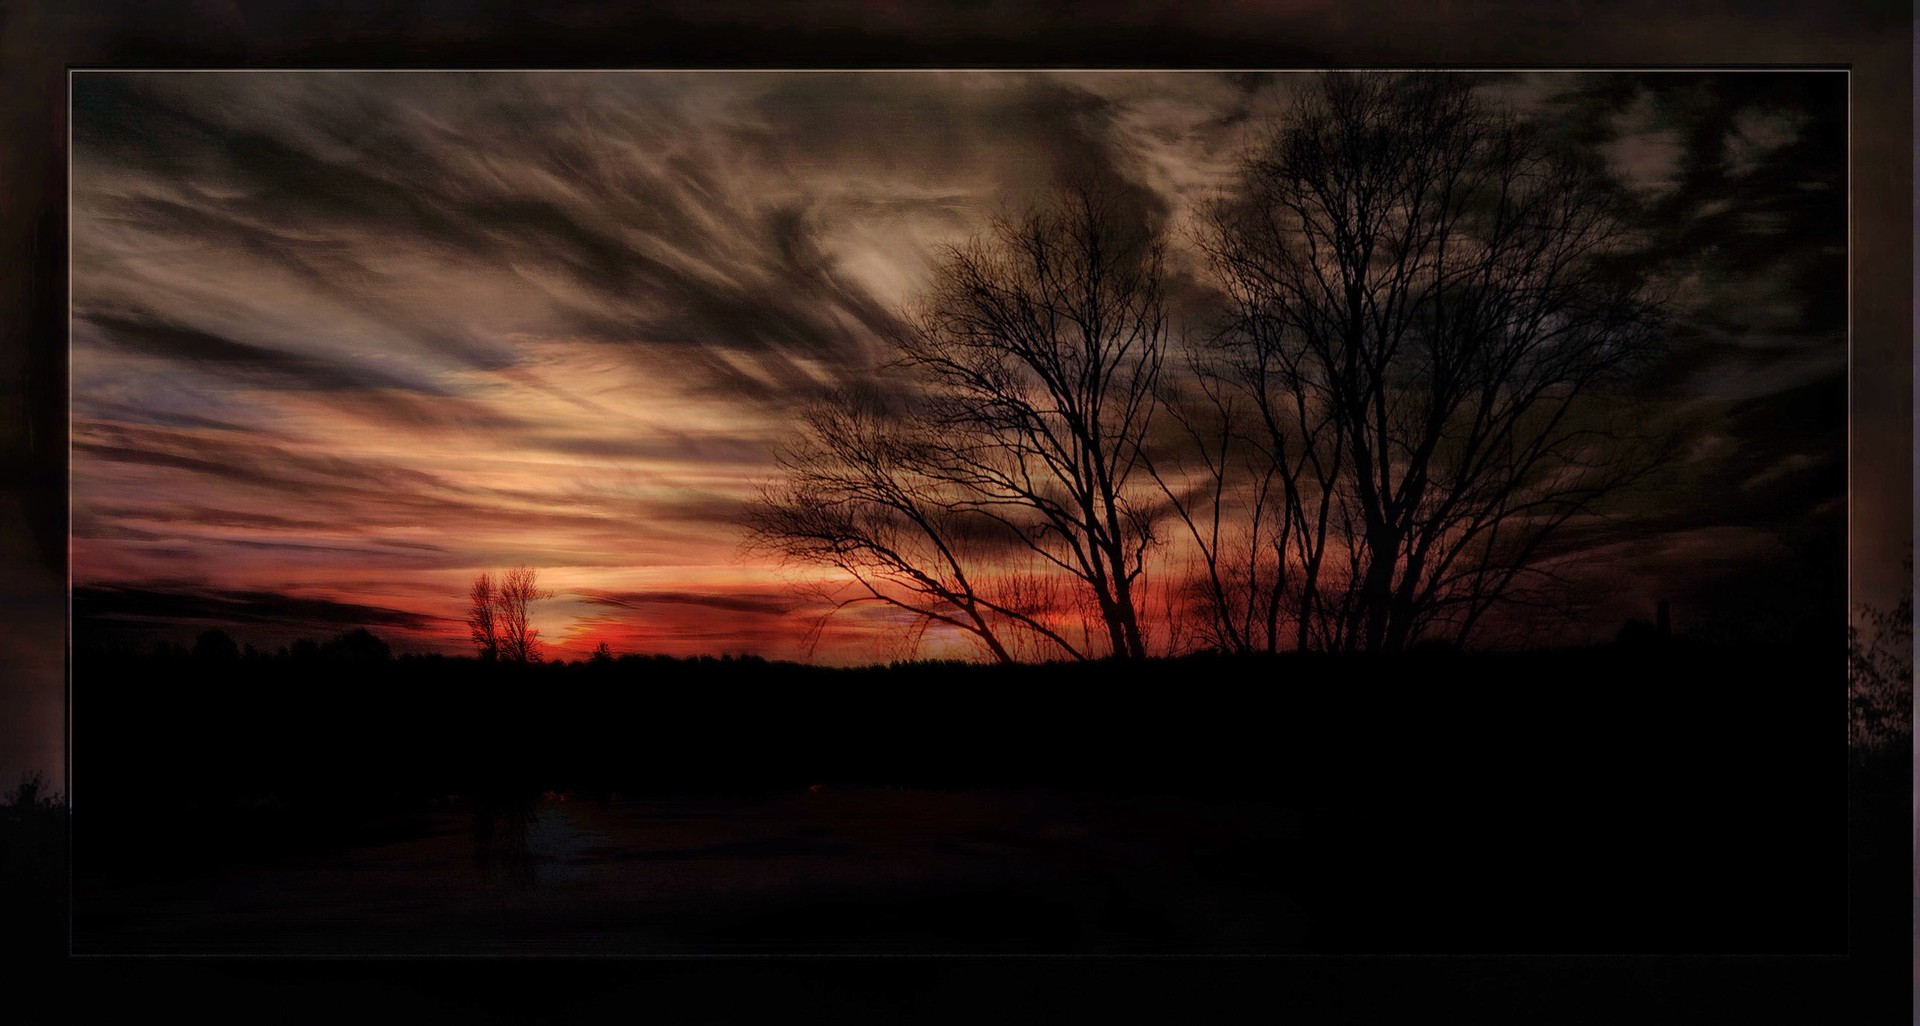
[354, 337]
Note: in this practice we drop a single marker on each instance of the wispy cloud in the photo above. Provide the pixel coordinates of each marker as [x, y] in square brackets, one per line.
[360, 336]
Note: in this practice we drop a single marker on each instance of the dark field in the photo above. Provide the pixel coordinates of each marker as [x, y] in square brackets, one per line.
[842, 871]
[1656, 800]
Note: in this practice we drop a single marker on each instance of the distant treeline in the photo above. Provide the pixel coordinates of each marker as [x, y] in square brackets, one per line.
[347, 715]
[347, 721]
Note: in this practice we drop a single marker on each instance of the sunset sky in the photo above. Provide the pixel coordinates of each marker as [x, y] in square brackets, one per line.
[341, 341]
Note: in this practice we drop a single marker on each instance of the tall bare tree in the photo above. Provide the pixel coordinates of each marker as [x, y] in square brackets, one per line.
[1036, 352]
[519, 639]
[1428, 299]
[497, 616]
[480, 616]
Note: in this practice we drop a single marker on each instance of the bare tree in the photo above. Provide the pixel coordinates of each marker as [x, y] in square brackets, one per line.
[1044, 346]
[480, 617]
[1427, 301]
[519, 639]
[855, 497]
[1037, 351]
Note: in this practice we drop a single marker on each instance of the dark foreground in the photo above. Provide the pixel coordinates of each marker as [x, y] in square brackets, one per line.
[1656, 801]
[834, 871]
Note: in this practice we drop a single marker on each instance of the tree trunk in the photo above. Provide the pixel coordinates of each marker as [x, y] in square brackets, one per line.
[1383, 549]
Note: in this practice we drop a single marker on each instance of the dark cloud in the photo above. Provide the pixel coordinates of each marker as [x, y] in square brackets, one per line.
[735, 602]
[132, 413]
[244, 461]
[1763, 464]
[1755, 201]
[125, 604]
[210, 517]
[1012, 138]
[289, 546]
[338, 497]
[686, 219]
[706, 451]
[655, 255]
[1745, 216]
[265, 366]
[332, 259]
[89, 525]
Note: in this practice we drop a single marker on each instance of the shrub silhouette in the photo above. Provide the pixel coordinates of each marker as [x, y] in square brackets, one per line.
[357, 647]
[215, 647]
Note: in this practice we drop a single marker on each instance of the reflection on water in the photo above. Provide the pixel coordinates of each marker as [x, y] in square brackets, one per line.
[499, 830]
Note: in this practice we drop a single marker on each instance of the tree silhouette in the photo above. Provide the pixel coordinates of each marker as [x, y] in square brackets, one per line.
[519, 639]
[480, 617]
[358, 647]
[1427, 300]
[856, 497]
[497, 615]
[1005, 496]
[215, 647]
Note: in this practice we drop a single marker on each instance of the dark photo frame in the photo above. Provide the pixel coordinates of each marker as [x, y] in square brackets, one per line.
[1873, 43]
